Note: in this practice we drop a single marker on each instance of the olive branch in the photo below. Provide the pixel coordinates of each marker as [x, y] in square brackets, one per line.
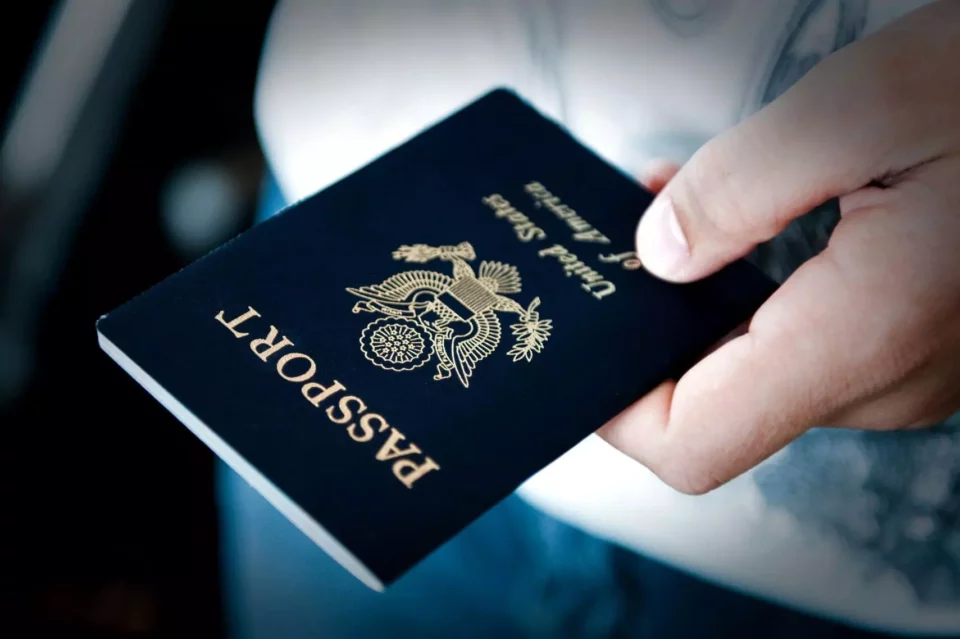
[531, 333]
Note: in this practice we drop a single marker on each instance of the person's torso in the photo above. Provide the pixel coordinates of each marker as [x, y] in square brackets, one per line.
[861, 526]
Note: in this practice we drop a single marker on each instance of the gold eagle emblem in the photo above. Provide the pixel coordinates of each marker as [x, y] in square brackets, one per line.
[426, 314]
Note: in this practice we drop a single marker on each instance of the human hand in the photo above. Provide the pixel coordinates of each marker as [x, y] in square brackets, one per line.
[867, 333]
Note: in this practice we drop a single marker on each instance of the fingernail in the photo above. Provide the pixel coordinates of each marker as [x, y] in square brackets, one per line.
[661, 245]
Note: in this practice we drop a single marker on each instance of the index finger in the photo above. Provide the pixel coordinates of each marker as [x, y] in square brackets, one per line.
[750, 397]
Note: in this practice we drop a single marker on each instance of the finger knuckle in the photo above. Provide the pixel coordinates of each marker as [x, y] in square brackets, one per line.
[709, 195]
[685, 477]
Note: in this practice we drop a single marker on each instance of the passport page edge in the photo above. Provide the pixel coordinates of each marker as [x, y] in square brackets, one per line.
[276, 497]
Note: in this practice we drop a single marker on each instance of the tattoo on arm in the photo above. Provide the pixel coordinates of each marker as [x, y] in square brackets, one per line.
[890, 497]
[815, 29]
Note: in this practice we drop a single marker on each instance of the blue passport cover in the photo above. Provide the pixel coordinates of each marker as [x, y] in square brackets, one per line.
[389, 358]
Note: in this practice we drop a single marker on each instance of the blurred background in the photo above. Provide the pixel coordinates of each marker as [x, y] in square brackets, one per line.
[127, 149]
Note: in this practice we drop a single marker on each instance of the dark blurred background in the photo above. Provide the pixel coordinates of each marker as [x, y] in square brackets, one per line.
[128, 150]
[118, 116]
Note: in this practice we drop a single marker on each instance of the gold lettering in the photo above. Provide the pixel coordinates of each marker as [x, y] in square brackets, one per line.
[534, 187]
[366, 427]
[549, 201]
[608, 288]
[556, 250]
[583, 271]
[409, 472]
[593, 235]
[627, 260]
[289, 357]
[572, 265]
[268, 341]
[389, 449]
[237, 321]
[495, 200]
[583, 231]
[325, 392]
[366, 436]
[383, 423]
[344, 406]
[532, 233]
[347, 406]
[524, 229]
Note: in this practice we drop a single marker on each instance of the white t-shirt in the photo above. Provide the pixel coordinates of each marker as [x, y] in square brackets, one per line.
[857, 526]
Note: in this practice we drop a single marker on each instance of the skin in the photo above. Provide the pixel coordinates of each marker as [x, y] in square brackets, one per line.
[865, 335]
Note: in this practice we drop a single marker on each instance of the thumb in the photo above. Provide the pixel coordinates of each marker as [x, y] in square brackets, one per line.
[746, 185]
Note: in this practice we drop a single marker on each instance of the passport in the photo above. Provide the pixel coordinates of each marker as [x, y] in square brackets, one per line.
[389, 358]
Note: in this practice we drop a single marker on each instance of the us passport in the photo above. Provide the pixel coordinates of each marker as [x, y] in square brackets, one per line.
[389, 358]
